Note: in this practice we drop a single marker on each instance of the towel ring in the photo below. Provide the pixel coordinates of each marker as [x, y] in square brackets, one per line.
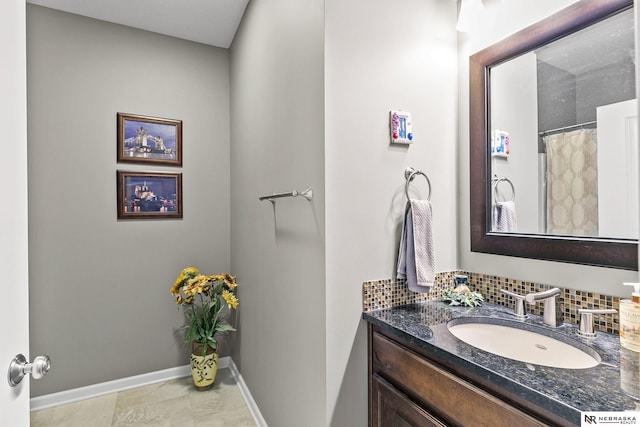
[496, 181]
[409, 174]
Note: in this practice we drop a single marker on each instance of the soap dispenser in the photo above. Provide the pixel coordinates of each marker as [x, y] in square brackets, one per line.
[630, 319]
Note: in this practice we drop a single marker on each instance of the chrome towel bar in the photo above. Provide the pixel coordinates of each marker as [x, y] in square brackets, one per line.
[306, 193]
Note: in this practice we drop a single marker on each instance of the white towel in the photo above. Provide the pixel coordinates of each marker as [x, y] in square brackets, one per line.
[504, 216]
[416, 258]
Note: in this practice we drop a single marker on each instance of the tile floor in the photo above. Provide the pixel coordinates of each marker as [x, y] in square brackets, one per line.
[167, 404]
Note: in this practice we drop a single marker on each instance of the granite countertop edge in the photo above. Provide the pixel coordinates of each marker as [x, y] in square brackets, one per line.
[564, 392]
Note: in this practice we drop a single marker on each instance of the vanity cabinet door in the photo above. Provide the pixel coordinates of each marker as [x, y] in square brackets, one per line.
[418, 386]
[391, 408]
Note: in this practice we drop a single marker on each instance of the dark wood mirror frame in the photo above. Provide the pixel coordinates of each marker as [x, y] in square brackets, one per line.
[613, 253]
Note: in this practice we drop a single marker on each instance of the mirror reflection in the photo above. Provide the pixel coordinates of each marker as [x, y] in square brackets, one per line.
[563, 136]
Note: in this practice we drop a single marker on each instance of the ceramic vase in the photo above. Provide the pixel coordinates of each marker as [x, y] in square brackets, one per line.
[203, 368]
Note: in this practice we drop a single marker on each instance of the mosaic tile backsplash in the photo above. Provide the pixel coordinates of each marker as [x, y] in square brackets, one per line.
[378, 294]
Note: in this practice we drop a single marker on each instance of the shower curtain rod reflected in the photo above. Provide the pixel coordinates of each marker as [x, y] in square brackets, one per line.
[572, 127]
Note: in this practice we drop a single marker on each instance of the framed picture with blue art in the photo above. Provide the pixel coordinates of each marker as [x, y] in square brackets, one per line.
[143, 139]
[149, 195]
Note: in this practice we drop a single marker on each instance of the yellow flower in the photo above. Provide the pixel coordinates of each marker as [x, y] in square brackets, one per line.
[178, 299]
[229, 281]
[187, 271]
[230, 299]
[188, 300]
[197, 284]
[190, 288]
[205, 282]
[176, 285]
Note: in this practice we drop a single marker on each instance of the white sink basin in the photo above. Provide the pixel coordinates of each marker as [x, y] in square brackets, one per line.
[524, 342]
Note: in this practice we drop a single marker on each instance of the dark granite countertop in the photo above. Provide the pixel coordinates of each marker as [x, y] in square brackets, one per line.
[609, 386]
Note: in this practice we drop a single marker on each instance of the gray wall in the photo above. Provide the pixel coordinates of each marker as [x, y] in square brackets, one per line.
[567, 99]
[99, 287]
[556, 97]
[381, 56]
[277, 251]
[616, 83]
[288, 133]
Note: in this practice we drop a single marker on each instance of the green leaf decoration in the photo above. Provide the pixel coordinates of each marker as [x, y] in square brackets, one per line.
[467, 299]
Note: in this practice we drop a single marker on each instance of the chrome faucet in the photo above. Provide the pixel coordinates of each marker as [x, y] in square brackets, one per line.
[586, 320]
[518, 310]
[551, 315]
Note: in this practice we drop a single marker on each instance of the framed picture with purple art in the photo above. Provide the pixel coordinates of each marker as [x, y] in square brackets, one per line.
[143, 139]
[149, 195]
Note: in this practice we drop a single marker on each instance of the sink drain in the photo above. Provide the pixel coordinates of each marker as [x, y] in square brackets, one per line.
[541, 347]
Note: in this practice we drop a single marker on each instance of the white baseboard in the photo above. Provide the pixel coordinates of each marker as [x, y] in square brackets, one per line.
[95, 390]
[246, 394]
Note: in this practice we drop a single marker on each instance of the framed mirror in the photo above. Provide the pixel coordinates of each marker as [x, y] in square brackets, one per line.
[554, 139]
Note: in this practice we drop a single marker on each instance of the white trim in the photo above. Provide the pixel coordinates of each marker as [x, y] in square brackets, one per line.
[246, 394]
[95, 390]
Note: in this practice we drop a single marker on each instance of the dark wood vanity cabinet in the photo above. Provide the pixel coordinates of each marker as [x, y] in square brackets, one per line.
[407, 388]
[394, 408]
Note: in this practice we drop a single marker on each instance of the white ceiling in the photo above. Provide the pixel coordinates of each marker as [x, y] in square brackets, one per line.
[212, 22]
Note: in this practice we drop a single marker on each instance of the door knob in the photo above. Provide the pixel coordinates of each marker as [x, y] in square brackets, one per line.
[19, 367]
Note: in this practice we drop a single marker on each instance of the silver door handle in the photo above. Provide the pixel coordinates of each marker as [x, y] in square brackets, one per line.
[19, 367]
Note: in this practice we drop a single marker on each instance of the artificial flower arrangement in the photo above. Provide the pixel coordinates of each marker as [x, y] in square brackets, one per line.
[202, 299]
[462, 295]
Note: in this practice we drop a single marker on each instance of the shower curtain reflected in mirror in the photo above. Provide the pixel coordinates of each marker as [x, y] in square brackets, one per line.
[572, 183]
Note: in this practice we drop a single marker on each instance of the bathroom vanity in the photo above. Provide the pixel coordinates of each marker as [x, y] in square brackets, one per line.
[420, 374]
